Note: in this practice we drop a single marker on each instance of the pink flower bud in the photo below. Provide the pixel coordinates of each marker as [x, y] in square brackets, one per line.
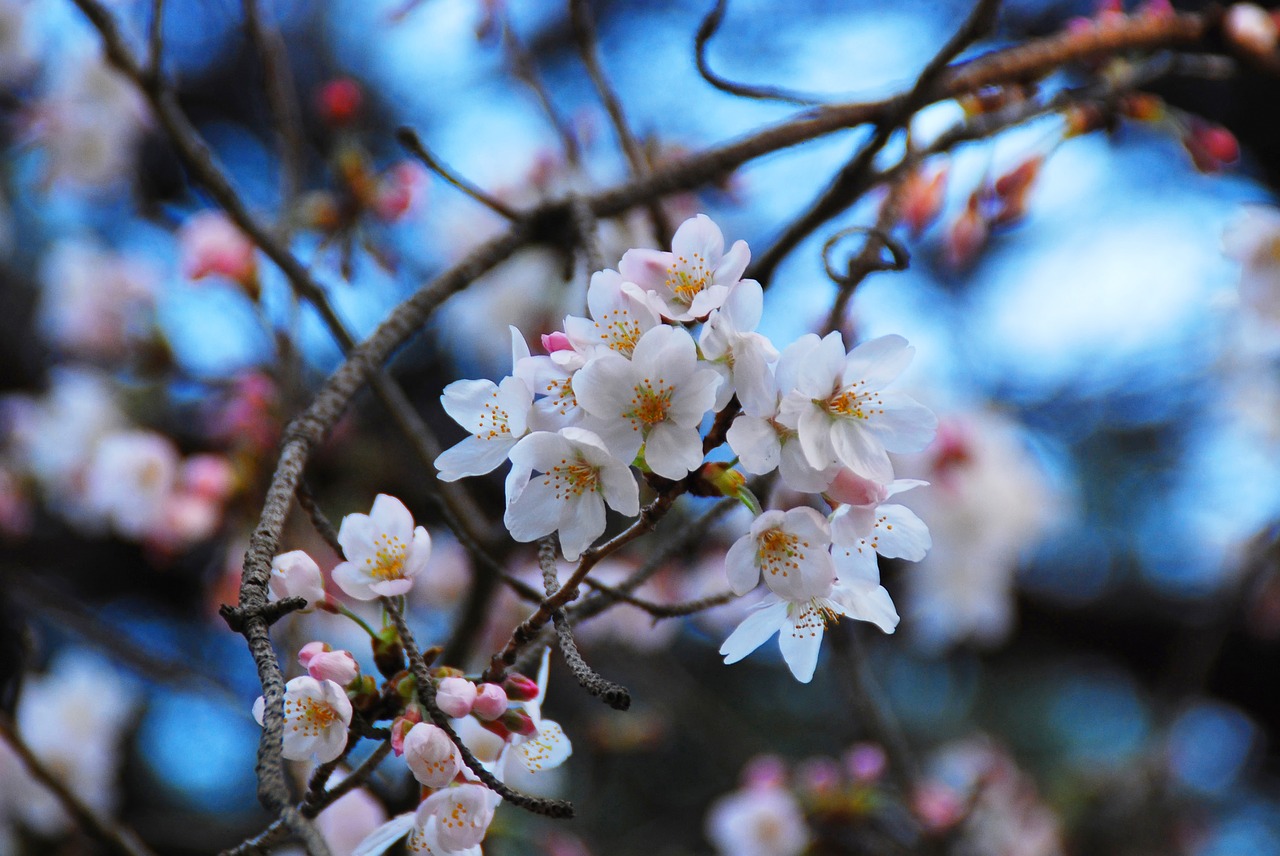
[310, 650]
[212, 245]
[431, 755]
[968, 234]
[455, 696]
[556, 342]
[295, 574]
[850, 488]
[1212, 147]
[337, 666]
[339, 101]
[491, 702]
[520, 688]
[517, 722]
[401, 726]
[922, 198]
[399, 191]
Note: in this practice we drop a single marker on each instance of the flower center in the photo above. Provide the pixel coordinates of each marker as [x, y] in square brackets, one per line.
[308, 715]
[814, 618]
[387, 561]
[619, 332]
[781, 552]
[650, 403]
[688, 278]
[854, 402]
[571, 479]
[561, 394]
[493, 420]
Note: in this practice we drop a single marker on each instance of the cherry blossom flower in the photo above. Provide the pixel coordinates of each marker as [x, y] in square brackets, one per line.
[619, 316]
[695, 277]
[763, 443]
[73, 718]
[384, 551]
[791, 549]
[842, 412]
[729, 340]
[656, 400]
[495, 414]
[316, 717]
[296, 574]
[863, 512]
[578, 477]
[212, 245]
[990, 502]
[801, 622]
[550, 377]
[764, 820]
[462, 815]
[431, 755]
[94, 303]
[130, 480]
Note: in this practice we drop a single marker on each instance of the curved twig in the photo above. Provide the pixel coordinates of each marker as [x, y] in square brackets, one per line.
[709, 27]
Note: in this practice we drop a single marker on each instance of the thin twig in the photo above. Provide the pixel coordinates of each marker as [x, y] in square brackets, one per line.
[116, 838]
[709, 27]
[584, 35]
[155, 40]
[851, 181]
[412, 143]
[616, 696]
[285, 112]
[427, 696]
[524, 69]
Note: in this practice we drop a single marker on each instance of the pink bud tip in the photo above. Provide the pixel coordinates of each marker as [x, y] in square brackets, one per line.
[339, 101]
[491, 702]
[556, 342]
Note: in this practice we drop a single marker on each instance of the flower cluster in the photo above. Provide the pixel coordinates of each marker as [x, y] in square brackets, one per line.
[500, 724]
[630, 386]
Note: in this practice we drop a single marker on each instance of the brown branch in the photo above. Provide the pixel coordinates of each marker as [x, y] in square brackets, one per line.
[115, 838]
[616, 696]
[709, 27]
[412, 143]
[528, 629]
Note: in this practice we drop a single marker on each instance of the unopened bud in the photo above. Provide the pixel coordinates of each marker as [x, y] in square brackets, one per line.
[401, 726]
[517, 721]
[337, 666]
[519, 688]
[491, 702]
[556, 341]
[339, 101]
[455, 696]
[1212, 147]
